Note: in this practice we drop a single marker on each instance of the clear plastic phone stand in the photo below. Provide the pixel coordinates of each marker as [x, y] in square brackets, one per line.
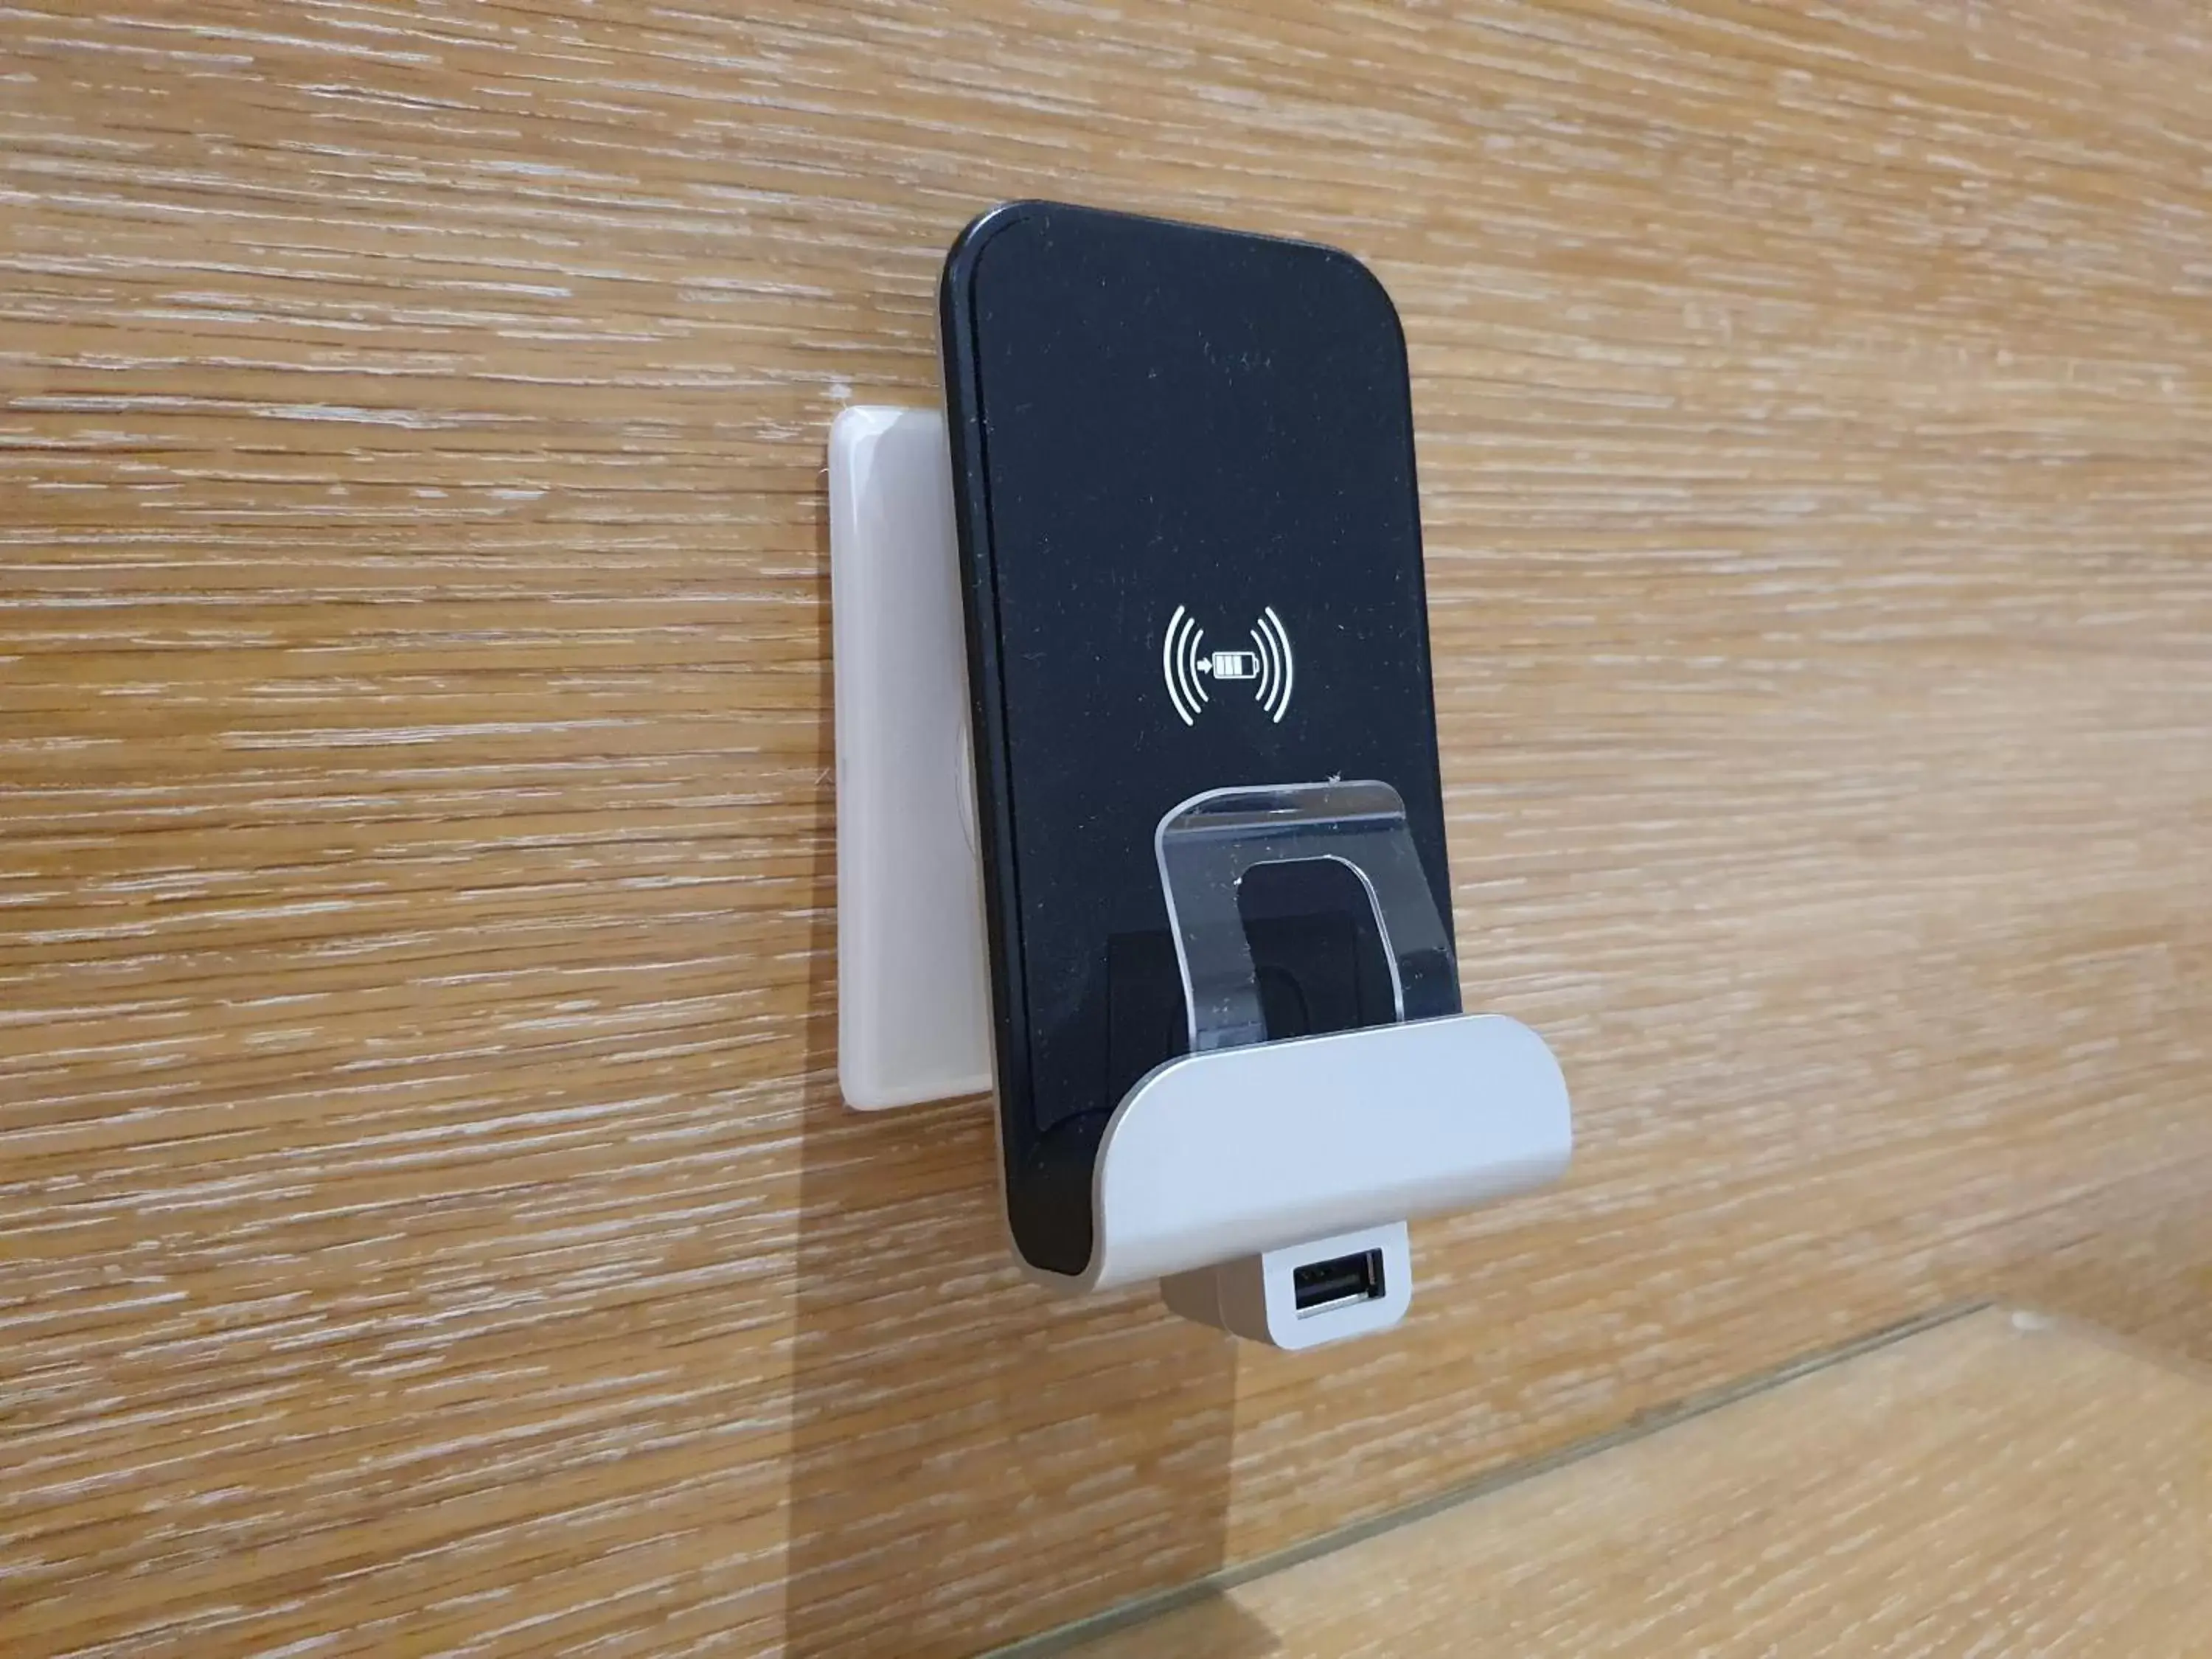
[1208, 846]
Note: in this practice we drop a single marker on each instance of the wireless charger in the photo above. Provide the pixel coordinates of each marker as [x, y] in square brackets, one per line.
[1161, 577]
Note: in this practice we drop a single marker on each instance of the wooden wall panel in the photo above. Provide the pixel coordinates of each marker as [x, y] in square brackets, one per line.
[427, 1219]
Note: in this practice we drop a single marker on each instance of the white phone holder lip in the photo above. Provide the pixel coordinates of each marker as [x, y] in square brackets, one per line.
[1219, 1154]
[1220, 1172]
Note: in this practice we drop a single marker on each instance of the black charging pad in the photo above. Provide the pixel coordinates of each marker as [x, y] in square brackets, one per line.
[1182, 467]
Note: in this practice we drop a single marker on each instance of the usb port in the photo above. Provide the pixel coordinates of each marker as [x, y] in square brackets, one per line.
[1337, 1283]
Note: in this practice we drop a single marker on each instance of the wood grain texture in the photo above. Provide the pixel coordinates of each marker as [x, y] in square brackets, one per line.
[427, 1219]
[1999, 1485]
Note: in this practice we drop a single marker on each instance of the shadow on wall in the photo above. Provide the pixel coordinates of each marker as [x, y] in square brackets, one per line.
[950, 1422]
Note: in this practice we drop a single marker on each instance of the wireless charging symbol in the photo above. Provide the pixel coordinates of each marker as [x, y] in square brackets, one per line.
[1187, 666]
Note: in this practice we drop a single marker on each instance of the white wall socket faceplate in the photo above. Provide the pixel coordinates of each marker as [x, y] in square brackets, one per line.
[914, 996]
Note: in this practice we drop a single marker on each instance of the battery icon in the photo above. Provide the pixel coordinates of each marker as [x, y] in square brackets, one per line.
[1231, 665]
